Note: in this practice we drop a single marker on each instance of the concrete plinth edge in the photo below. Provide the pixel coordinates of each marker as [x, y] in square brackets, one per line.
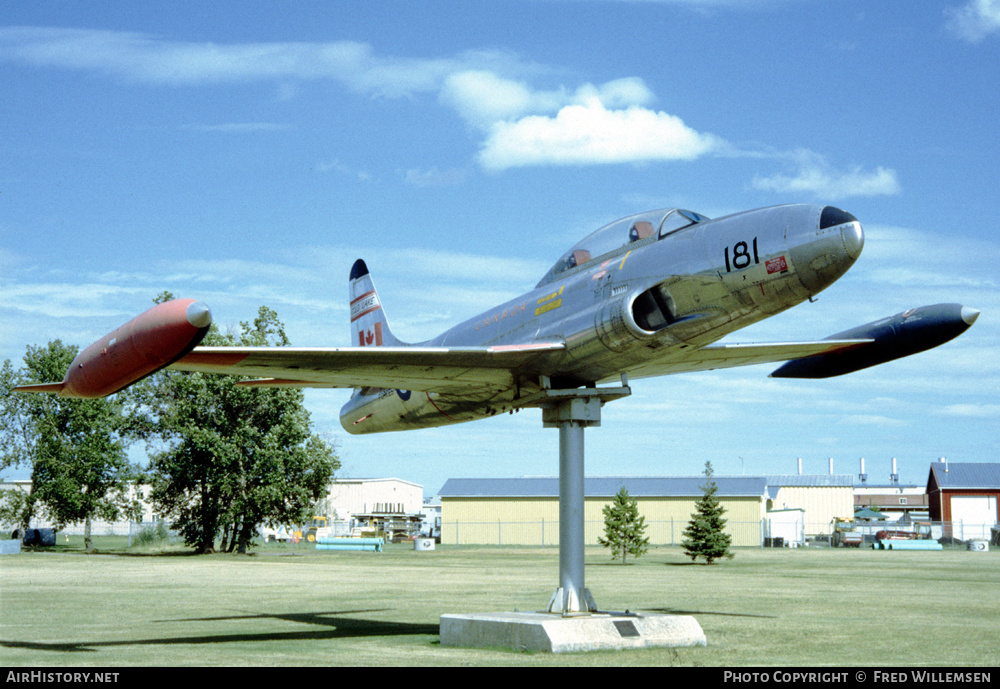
[540, 631]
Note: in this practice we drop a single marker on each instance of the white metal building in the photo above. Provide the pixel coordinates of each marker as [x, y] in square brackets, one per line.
[821, 497]
[368, 495]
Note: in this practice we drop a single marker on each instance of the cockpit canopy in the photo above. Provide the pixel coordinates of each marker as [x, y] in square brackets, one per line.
[622, 233]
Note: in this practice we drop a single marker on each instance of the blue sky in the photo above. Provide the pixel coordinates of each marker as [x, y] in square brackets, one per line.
[245, 153]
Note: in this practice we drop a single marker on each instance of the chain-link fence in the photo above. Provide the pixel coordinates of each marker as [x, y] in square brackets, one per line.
[545, 533]
[136, 531]
[759, 534]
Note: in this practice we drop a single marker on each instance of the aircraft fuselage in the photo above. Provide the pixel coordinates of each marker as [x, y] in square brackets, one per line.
[634, 295]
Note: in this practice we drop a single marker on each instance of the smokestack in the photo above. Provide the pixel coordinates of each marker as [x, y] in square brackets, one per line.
[944, 460]
[800, 466]
[831, 466]
[894, 476]
[863, 476]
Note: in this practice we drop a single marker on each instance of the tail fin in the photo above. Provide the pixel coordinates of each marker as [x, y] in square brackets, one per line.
[369, 325]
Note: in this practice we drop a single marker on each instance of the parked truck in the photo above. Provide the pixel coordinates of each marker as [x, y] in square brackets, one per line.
[846, 534]
[316, 528]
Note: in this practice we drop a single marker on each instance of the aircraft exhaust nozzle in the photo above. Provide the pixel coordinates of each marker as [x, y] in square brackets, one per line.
[906, 333]
[147, 343]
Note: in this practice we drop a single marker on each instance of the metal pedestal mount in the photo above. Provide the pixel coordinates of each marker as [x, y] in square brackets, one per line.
[572, 622]
[572, 411]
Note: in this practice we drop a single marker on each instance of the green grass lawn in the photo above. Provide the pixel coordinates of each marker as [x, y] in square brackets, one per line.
[292, 605]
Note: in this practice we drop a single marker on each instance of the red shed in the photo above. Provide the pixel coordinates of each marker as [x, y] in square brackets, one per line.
[966, 495]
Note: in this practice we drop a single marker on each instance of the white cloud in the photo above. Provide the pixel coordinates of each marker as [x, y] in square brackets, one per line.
[919, 260]
[475, 271]
[606, 123]
[816, 177]
[590, 133]
[592, 123]
[975, 20]
[521, 125]
[237, 127]
[145, 58]
[434, 177]
[435, 290]
[343, 169]
[871, 420]
[618, 93]
[483, 98]
[976, 411]
[57, 299]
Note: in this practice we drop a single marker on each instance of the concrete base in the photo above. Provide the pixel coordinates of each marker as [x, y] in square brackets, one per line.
[540, 631]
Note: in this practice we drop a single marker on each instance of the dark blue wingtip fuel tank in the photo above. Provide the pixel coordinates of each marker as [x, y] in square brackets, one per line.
[901, 335]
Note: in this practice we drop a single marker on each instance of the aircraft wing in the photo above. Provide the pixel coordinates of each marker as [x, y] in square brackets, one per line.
[731, 355]
[906, 333]
[428, 369]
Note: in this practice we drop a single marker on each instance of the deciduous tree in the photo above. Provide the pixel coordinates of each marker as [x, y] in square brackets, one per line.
[76, 449]
[233, 458]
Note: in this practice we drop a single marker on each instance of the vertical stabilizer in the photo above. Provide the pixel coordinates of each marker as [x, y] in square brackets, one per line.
[369, 326]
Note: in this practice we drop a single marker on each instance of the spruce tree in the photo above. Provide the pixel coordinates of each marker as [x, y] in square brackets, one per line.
[704, 537]
[624, 527]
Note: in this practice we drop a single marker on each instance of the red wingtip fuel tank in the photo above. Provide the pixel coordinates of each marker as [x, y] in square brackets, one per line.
[141, 347]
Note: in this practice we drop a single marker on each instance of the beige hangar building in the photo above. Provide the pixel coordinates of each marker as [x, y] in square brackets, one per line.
[525, 511]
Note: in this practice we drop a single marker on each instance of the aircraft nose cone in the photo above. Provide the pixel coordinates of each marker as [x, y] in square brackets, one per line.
[822, 257]
[969, 315]
[850, 229]
[854, 239]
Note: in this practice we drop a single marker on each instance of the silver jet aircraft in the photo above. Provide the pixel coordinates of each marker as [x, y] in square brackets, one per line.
[647, 295]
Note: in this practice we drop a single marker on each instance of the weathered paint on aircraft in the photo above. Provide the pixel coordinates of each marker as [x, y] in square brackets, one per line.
[646, 295]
